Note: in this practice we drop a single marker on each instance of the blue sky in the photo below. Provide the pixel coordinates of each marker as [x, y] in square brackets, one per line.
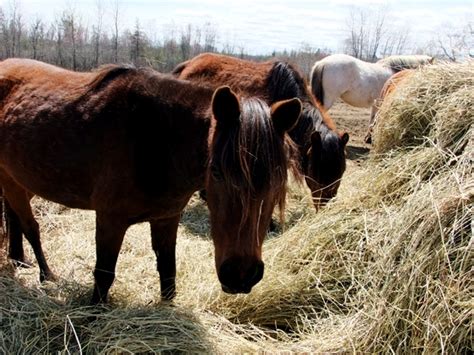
[261, 26]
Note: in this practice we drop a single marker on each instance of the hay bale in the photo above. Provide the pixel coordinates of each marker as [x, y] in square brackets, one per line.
[435, 104]
[386, 267]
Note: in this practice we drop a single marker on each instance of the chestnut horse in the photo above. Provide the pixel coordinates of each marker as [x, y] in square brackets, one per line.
[134, 145]
[387, 90]
[321, 150]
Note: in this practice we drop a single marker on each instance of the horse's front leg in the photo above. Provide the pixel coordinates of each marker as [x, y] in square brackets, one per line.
[163, 240]
[15, 237]
[109, 234]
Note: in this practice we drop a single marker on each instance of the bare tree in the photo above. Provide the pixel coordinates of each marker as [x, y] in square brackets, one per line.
[12, 29]
[369, 37]
[454, 42]
[210, 38]
[115, 17]
[97, 31]
[70, 30]
[137, 44]
[185, 44]
[36, 36]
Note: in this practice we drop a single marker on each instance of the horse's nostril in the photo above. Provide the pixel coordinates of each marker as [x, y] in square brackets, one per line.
[236, 276]
[256, 274]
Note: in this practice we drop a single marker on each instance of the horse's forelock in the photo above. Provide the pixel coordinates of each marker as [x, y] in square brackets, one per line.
[252, 157]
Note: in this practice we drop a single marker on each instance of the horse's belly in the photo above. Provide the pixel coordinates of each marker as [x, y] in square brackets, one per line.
[50, 163]
[354, 98]
[67, 189]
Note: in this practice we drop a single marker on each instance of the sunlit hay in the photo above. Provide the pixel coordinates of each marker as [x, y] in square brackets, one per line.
[435, 103]
[387, 267]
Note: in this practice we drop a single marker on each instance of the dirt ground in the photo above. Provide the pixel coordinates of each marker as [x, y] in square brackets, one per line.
[354, 121]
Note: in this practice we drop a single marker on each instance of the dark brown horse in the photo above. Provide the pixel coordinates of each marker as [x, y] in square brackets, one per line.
[133, 145]
[321, 149]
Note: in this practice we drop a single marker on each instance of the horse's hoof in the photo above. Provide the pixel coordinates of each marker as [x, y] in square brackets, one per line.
[168, 296]
[48, 276]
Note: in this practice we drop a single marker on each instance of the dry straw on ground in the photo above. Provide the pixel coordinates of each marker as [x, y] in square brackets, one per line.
[387, 267]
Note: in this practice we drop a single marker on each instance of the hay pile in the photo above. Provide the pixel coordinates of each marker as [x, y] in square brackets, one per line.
[387, 267]
[432, 104]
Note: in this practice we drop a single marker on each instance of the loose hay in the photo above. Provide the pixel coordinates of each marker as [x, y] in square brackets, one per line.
[435, 103]
[387, 267]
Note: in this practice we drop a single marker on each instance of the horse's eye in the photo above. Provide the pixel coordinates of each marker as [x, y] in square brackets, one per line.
[216, 172]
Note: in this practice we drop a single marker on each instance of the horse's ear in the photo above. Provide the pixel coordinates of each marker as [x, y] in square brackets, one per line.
[344, 138]
[285, 114]
[225, 106]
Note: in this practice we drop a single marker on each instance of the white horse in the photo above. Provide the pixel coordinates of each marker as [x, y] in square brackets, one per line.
[356, 82]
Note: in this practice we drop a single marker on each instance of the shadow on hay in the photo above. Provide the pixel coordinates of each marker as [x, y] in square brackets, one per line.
[195, 219]
[34, 322]
[357, 153]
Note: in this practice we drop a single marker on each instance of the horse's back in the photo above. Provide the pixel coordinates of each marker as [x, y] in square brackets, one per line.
[211, 69]
[39, 73]
[100, 136]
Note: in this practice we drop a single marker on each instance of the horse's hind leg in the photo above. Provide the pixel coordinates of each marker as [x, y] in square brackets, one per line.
[15, 236]
[163, 240]
[20, 203]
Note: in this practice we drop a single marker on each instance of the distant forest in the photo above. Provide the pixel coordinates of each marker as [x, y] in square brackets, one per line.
[67, 42]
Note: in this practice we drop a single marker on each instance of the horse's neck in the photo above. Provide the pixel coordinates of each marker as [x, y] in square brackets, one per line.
[182, 129]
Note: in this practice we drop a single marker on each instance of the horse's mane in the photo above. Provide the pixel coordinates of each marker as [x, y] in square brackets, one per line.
[107, 73]
[401, 62]
[285, 82]
[251, 155]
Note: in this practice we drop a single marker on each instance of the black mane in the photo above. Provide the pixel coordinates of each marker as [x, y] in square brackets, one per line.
[285, 82]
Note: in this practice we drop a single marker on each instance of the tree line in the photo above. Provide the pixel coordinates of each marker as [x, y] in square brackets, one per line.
[68, 42]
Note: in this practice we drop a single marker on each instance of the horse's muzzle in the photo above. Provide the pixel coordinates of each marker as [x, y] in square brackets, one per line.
[238, 276]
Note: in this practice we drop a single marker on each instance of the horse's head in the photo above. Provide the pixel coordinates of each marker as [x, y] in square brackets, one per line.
[246, 178]
[326, 162]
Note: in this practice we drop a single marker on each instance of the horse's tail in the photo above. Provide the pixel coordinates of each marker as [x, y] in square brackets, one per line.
[317, 83]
